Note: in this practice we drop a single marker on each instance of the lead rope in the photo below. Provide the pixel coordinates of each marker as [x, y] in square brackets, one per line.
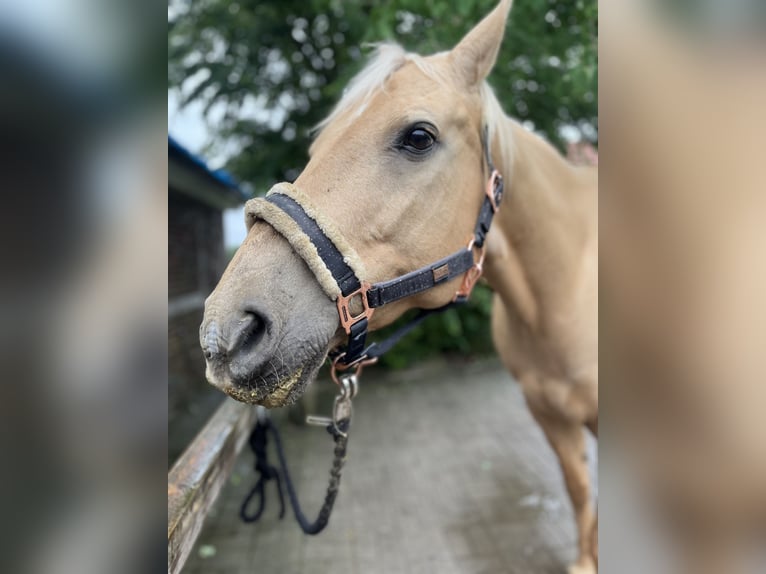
[337, 426]
[266, 472]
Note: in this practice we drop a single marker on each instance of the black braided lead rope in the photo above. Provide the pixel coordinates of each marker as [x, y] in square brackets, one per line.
[258, 443]
[339, 432]
[340, 437]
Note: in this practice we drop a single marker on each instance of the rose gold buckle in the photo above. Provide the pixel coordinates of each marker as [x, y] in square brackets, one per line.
[347, 320]
[495, 179]
[473, 274]
[358, 365]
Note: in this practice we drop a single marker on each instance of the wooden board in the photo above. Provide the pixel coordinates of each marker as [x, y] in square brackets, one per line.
[197, 477]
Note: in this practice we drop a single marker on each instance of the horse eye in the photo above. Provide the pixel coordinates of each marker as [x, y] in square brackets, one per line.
[418, 140]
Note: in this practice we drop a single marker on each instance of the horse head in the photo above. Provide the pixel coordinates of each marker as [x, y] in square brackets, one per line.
[397, 172]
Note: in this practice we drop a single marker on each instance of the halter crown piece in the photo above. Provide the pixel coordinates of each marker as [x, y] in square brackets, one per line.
[340, 271]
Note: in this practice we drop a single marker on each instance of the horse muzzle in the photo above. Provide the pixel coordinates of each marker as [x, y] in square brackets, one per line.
[267, 325]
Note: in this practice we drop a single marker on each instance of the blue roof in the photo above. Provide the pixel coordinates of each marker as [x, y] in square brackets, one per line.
[221, 176]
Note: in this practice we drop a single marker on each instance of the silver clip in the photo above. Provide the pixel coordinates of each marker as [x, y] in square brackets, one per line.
[318, 421]
[349, 385]
[342, 409]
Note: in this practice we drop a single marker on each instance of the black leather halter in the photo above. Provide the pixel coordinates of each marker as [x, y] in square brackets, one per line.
[467, 262]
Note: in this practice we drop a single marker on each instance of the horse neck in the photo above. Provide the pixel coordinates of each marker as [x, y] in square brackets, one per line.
[547, 218]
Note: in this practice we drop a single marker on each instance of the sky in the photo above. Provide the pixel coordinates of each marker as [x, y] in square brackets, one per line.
[189, 128]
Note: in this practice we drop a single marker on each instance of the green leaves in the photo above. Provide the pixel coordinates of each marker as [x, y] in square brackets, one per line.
[252, 49]
[462, 330]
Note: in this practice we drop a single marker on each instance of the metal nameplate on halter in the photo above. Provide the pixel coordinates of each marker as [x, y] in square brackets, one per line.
[441, 272]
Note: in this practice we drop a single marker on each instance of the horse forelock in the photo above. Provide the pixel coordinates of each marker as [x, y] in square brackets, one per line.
[386, 59]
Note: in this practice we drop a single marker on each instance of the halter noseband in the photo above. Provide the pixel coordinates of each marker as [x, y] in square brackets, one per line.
[340, 271]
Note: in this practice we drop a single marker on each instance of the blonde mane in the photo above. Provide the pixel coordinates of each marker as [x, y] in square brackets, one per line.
[386, 59]
[494, 117]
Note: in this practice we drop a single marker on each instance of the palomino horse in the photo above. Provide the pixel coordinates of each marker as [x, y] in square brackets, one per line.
[399, 168]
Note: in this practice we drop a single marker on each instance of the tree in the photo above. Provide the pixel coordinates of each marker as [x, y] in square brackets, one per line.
[269, 71]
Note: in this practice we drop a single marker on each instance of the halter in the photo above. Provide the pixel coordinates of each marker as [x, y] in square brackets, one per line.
[340, 271]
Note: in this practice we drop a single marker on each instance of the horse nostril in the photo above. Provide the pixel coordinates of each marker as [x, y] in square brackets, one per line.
[252, 330]
[209, 338]
[238, 340]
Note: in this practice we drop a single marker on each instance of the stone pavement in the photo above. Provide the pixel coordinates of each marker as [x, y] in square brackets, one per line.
[446, 473]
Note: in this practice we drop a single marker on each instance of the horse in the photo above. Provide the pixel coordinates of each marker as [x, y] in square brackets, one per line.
[398, 169]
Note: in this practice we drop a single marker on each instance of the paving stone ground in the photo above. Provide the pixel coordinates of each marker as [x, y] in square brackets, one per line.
[447, 474]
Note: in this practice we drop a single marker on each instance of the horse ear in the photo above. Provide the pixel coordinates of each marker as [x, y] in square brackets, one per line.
[475, 55]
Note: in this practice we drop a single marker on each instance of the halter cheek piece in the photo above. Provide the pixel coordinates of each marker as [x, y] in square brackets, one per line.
[340, 271]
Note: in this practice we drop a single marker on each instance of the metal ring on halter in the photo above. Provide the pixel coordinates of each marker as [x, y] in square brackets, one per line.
[339, 367]
[474, 273]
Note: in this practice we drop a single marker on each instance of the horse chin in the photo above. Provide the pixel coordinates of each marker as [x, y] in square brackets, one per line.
[271, 388]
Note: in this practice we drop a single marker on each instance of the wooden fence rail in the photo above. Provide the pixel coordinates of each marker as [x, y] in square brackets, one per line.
[197, 477]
